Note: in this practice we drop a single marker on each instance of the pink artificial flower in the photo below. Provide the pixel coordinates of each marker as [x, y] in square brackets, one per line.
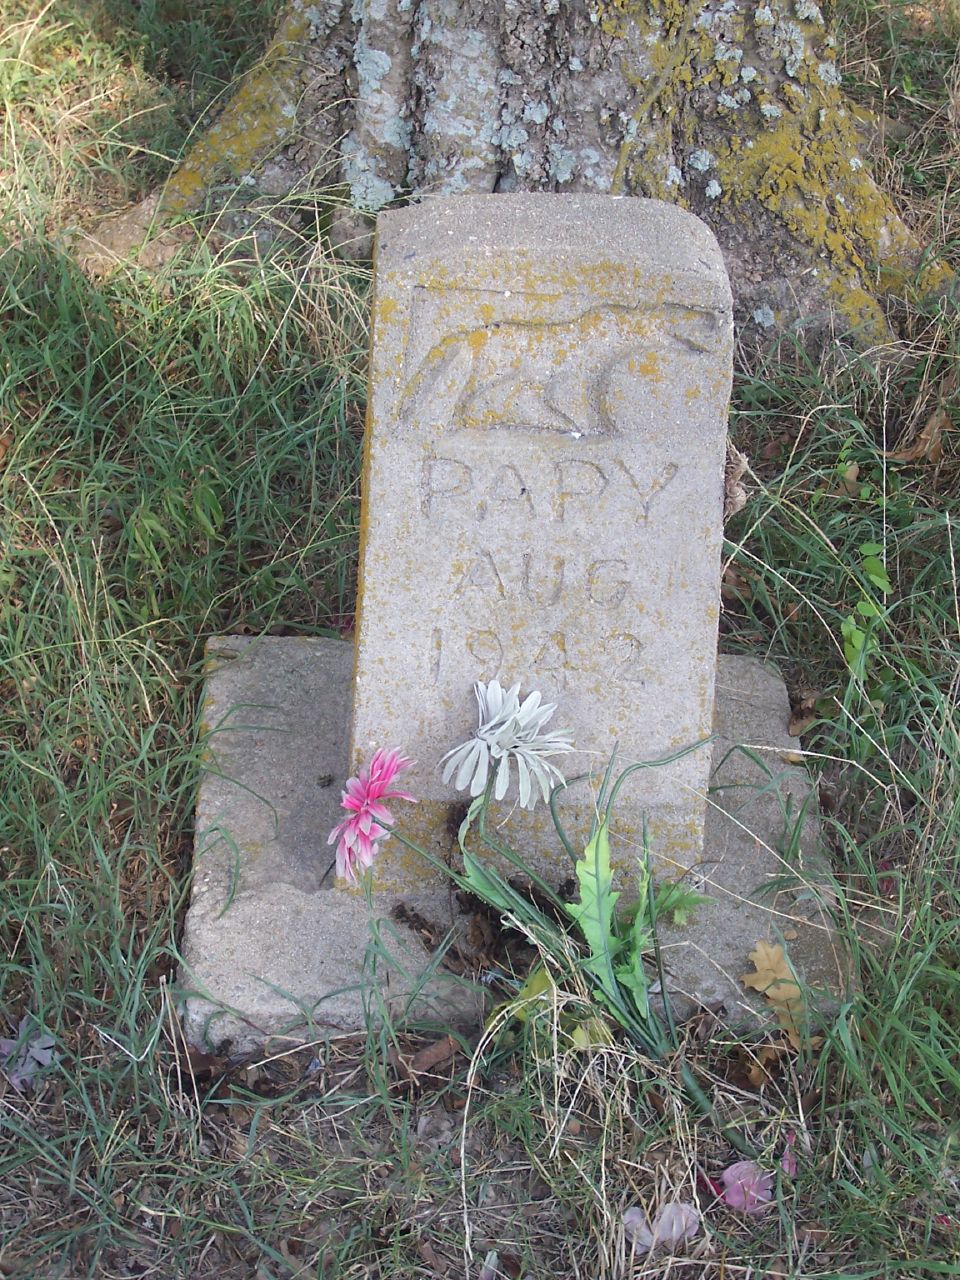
[359, 835]
[746, 1187]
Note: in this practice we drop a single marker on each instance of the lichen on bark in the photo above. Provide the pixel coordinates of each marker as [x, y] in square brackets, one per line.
[731, 108]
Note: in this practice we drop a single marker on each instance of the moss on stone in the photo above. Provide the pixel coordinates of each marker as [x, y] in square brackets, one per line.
[257, 119]
[788, 144]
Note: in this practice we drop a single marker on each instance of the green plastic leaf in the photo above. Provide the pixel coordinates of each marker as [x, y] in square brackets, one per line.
[473, 812]
[677, 903]
[632, 976]
[631, 973]
[594, 913]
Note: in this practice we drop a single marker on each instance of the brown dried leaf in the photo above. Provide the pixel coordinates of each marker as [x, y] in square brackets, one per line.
[425, 1060]
[802, 716]
[850, 480]
[928, 445]
[779, 1269]
[758, 1073]
[775, 979]
[753, 1067]
[736, 584]
[434, 1055]
[700, 1028]
[6, 441]
[812, 1234]
[429, 1255]
[776, 445]
[734, 494]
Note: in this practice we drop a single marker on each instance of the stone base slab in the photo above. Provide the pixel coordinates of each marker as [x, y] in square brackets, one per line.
[271, 948]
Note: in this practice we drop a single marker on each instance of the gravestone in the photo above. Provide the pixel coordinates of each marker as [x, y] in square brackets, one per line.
[543, 500]
[542, 503]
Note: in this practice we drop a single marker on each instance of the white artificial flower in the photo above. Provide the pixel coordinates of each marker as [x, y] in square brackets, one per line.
[508, 729]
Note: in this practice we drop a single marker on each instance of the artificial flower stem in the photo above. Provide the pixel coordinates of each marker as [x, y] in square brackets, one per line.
[504, 851]
[562, 786]
[654, 764]
[657, 954]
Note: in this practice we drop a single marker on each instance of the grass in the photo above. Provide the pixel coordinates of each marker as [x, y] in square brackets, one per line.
[179, 457]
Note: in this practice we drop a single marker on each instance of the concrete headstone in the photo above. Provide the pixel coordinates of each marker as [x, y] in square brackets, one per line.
[543, 498]
[542, 504]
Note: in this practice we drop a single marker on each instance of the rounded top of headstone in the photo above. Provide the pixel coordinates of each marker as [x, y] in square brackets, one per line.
[638, 232]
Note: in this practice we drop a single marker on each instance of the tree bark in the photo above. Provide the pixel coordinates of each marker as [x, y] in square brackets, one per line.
[731, 108]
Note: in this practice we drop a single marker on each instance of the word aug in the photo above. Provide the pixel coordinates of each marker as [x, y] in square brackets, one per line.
[543, 580]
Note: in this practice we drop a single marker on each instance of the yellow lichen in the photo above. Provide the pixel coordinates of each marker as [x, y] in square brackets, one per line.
[791, 147]
[257, 119]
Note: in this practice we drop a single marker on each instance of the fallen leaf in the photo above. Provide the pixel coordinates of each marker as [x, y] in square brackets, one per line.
[591, 1033]
[734, 494]
[775, 979]
[700, 1027]
[803, 714]
[776, 445]
[847, 483]
[800, 722]
[204, 1068]
[757, 1064]
[434, 1055]
[429, 1255]
[657, 1101]
[928, 445]
[778, 1270]
[426, 1060]
[24, 1059]
[489, 1269]
[812, 1234]
[6, 440]
[736, 584]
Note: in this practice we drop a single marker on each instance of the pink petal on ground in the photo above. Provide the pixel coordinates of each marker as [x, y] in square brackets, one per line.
[673, 1223]
[637, 1229]
[747, 1187]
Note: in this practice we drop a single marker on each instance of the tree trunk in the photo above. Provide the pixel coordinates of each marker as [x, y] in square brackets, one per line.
[730, 108]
